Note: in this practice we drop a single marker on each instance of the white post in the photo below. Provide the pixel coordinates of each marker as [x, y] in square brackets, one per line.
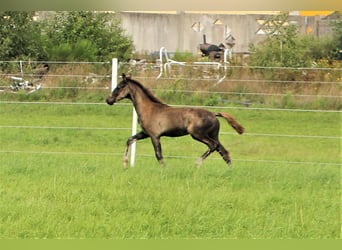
[21, 68]
[134, 131]
[114, 73]
[134, 116]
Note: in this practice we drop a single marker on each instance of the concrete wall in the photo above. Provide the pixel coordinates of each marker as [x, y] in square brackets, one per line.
[184, 31]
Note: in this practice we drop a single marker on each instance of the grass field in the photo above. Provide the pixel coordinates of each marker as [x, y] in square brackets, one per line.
[62, 177]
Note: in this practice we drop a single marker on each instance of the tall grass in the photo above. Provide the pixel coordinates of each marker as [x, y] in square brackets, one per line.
[69, 183]
[196, 85]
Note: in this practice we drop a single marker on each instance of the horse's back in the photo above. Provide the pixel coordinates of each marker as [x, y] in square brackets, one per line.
[200, 120]
[199, 114]
[179, 121]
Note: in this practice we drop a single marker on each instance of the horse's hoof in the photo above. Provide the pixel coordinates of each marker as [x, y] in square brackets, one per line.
[125, 163]
[199, 162]
[162, 163]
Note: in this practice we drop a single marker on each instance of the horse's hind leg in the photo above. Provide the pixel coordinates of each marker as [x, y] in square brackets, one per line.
[203, 157]
[212, 147]
[211, 143]
[214, 144]
[141, 135]
[224, 153]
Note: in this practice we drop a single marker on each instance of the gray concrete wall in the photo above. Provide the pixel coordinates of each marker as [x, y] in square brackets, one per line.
[151, 31]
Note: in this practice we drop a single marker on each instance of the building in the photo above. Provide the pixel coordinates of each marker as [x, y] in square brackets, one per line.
[183, 31]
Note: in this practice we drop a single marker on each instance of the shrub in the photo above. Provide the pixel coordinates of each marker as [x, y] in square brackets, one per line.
[92, 36]
[83, 50]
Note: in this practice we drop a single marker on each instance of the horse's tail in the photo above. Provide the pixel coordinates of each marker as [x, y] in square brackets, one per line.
[232, 122]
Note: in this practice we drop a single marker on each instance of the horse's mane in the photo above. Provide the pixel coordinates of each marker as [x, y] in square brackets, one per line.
[148, 93]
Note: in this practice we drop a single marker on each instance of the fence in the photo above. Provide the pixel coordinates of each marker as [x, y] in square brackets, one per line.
[325, 86]
[55, 75]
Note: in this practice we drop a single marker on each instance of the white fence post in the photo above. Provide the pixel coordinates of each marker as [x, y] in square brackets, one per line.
[134, 131]
[134, 113]
[21, 68]
[114, 73]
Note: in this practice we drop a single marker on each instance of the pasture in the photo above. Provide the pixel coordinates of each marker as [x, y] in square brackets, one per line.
[61, 176]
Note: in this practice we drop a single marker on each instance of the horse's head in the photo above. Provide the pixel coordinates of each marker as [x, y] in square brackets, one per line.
[120, 92]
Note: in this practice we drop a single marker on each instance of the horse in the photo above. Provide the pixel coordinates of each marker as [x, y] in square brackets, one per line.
[158, 119]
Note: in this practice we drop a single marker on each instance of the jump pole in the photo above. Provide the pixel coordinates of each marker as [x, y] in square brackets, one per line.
[134, 113]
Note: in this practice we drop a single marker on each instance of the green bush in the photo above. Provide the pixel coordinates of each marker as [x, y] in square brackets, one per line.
[68, 35]
[285, 47]
[184, 56]
[83, 50]
[91, 35]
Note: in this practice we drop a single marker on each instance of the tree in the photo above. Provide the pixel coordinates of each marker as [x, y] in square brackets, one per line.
[20, 36]
[83, 35]
[283, 47]
[337, 37]
[327, 48]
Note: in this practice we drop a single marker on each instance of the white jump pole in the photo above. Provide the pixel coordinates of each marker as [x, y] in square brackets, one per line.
[134, 113]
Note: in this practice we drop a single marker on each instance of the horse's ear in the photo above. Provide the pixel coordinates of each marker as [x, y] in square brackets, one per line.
[123, 77]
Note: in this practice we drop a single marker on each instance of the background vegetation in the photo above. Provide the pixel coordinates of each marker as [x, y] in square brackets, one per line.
[83, 35]
[285, 47]
[67, 36]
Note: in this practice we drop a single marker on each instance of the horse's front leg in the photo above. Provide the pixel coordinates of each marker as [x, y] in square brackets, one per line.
[157, 149]
[141, 135]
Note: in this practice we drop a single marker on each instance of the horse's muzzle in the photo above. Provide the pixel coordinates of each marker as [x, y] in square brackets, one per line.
[110, 100]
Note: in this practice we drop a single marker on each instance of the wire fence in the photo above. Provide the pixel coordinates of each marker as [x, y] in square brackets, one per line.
[335, 139]
[334, 164]
[245, 91]
[24, 68]
[198, 106]
[223, 133]
[148, 72]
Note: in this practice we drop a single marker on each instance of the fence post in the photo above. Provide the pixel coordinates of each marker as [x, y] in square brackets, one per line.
[114, 73]
[134, 131]
[21, 68]
[134, 113]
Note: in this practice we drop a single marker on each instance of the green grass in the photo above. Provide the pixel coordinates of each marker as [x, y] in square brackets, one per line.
[69, 183]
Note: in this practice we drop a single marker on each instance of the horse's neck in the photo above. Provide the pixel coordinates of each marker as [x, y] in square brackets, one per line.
[141, 101]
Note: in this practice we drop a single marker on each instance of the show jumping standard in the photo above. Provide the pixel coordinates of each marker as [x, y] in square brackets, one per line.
[158, 119]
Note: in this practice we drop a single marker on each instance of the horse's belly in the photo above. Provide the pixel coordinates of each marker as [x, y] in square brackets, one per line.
[175, 132]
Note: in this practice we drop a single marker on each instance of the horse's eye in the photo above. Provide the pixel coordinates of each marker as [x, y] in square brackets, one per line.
[120, 86]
